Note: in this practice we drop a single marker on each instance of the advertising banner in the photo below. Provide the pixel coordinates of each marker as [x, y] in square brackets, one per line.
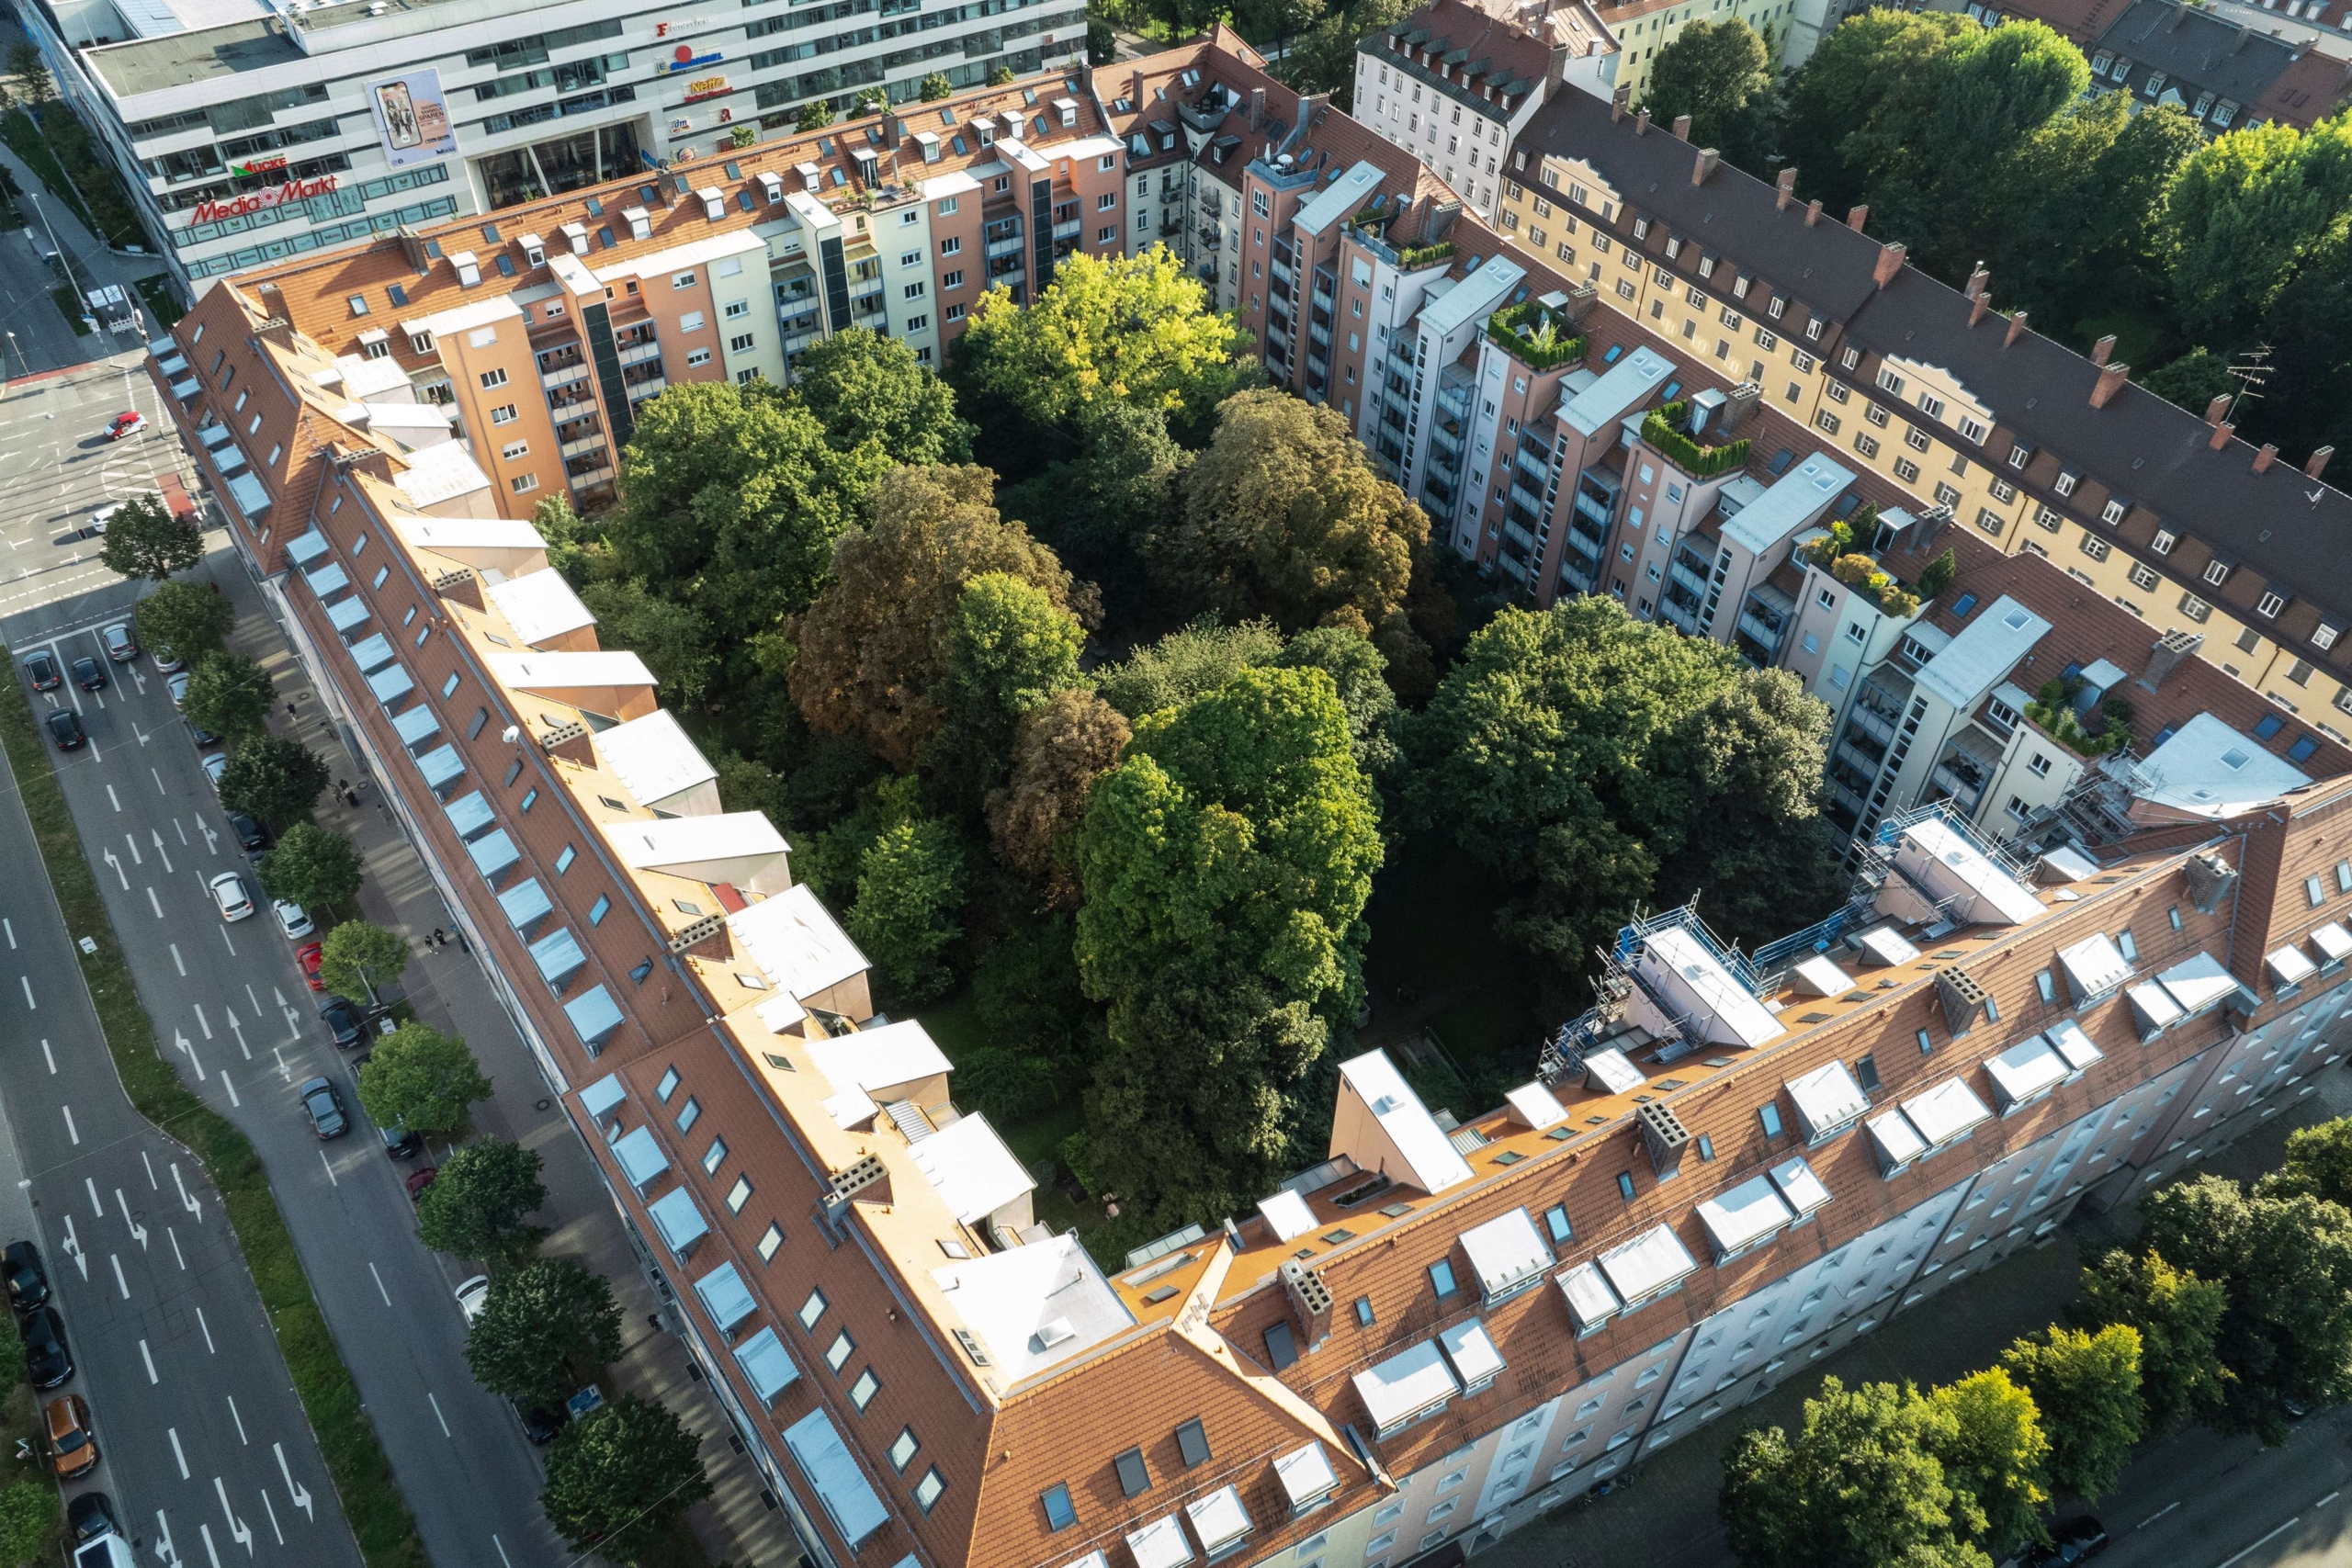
[412, 118]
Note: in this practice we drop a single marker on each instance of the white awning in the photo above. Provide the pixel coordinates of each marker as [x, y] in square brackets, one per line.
[594, 1015]
[1534, 1104]
[1405, 1386]
[416, 723]
[2066, 1037]
[1307, 1476]
[835, 1477]
[1612, 1072]
[525, 904]
[726, 1297]
[1897, 1141]
[346, 613]
[2290, 965]
[1800, 1188]
[2199, 982]
[1590, 1301]
[1475, 1360]
[469, 812]
[329, 578]
[492, 854]
[388, 686]
[2335, 943]
[2094, 967]
[441, 765]
[1737, 1219]
[372, 654]
[640, 1156]
[2153, 1007]
[601, 1096]
[767, 1365]
[306, 546]
[2024, 1071]
[1506, 1253]
[1287, 1216]
[1648, 1264]
[1945, 1111]
[1827, 1100]
[1218, 1519]
[1160, 1544]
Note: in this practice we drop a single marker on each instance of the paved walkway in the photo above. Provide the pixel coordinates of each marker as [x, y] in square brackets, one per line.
[448, 988]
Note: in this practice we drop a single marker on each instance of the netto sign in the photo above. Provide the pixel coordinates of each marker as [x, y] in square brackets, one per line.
[260, 200]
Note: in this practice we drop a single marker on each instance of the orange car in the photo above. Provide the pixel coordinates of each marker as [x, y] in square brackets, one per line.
[70, 1437]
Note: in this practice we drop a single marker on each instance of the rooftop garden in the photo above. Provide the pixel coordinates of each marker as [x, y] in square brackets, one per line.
[2053, 709]
[1663, 432]
[1414, 258]
[1835, 552]
[1537, 336]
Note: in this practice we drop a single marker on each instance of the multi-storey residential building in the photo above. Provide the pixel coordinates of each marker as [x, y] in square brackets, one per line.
[249, 132]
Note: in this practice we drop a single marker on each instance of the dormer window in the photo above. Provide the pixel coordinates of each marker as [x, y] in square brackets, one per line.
[2270, 603]
[2156, 83]
[2114, 510]
[421, 341]
[639, 222]
[1673, 247]
[2020, 456]
[535, 249]
[2217, 571]
[714, 202]
[1850, 358]
[468, 269]
[2163, 541]
[2066, 483]
[1641, 228]
[1776, 307]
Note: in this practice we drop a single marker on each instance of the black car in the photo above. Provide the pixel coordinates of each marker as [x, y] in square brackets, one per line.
[28, 1281]
[542, 1422]
[41, 670]
[65, 729]
[326, 1108]
[89, 674]
[202, 737]
[343, 1019]
[2077, 1541]
[90, 1516]
[250, 835]
[399, 1142]
[46, 1356]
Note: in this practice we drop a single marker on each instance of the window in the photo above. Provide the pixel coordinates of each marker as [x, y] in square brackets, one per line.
[2216, 572]
[840, 1351]
[770, 1241]
[1770, 1115]
[514, 449]
[1365, 1318]
[902, 1451]
[1927, 1046]
[2093, 546]
[1059, 1515]
[928, 1489]
[503, 415]
[862, 1392]
[644, 967]
[2047, 985]
[951, 280]
[1866, 1073]
[450, 685]
[1625, 1185]
[689, 1113]
[739, 1194]
[2270, 603]
[1442, 1279]
[1556, 1224]
[1282, 1347]
[697, 356]
[2125, 945]
[1193, 1443]
[1134, 1476]
[715, 1156]
[811, 1310]
[2142, 577]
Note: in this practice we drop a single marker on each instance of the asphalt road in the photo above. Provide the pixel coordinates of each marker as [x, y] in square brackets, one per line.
[57, 468]
[229, 1003]
[2203, 1501]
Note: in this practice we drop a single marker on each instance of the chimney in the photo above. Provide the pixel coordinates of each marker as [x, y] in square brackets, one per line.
[2102, 348]
[2217, 408]
[1310, 1303]
[1257, 109]
[570, 741]
[2209, 878]
[2268, 455]
[1642, 120]
[1787, 187]
[2017, 328]
[1890, 264]
[2110, 380]
[2172, 649]
[1135, 88]
[2221, 437]
[892, 129]
[461, 584]
[1704, 165]
[1857, 216]
[1979, 282]
[2317, 461]
[1619, 98]
[1813, 212]
[1984, 303]
[1683, 128]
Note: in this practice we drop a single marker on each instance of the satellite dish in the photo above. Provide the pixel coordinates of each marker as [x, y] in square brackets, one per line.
[512, 734]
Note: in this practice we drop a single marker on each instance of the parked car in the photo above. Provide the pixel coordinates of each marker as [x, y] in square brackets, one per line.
[28, 1281]
[47, 1360]
[215, 764]
[2077, 1541]
[308, 957]
[176, 685]
[399, 1142]
[90, 1516]
[343, 1021]
[252, 837]
[89, 674]
[71, 1442]
[292, 919]
[327, 1118]
[41, 670]
[205, 740]
[121, 646]
[472, 1294]
[541, 1422]
[131, 421]
[167, 662]
[420, 1182]
[229, 893]
[65, 729]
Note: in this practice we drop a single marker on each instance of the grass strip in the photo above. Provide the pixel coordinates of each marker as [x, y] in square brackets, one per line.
[69, 305]
[58, 147]
[354, 1460]
[162, 305]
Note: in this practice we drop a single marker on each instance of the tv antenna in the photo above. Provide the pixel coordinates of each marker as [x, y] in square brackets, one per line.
[2251, 371]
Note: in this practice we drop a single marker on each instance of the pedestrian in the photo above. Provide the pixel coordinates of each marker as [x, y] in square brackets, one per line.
[437, 937]
[355, 797]
[340, 789]
[289, 710]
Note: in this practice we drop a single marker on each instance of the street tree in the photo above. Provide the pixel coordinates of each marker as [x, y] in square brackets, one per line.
[1059, 750]
[227, 695]
[360, 960]
[1987, 1433]
[618, 1479]
[27, 65]
[544, 1328]
[863, 387]
[274, 778]
[2285, 1262]
[480, 1202]
[184, 620]
[144, 539]
[314, 866]
[936, 87]
[2086, 1386]
[1855, 1487]
[421, 1080]
[2177, 1317]
[2318, 1164]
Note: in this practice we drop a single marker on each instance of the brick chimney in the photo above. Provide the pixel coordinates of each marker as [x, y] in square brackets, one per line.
[2110, 380]
[1982, 303]
[2268, 455]
[1704, 165]
[1813, 212]
[2172, 651]
[2102, 348]
[2017, 328]
[2317, 462]
[1786, 188]
[1890, 264]
[1642, 120]
[1979, 282]
[2221, 437]
[2217, 408]
[570, 741]
[1617, 102]
[1857, 216]
[1683, 128]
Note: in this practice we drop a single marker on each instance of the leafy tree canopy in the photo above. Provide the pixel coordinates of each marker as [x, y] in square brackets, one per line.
[1187, 663]
[227, 693]
[866, 388]
[2086, 1386]
[908, 890]
[540, 1325]
[421, 1080]
[617, 1478]
[1987, 1433]
[480, 1202]
[677, 641]
[2177, 1317]
[314, 866]
[185, 620]
[1059, 750]
[144, 539]
[1719, 74]
[276, 779]
[2318, 1164]
[358, 960]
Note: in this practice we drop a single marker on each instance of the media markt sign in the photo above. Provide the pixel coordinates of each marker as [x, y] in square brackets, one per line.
[261, 200]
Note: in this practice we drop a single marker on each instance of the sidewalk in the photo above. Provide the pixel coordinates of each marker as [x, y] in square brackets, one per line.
[448, 990]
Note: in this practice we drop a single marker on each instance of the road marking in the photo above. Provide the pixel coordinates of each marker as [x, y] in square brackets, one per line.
[69, 1125]
[95, 1203]
[501, 1551]
[182, 1042]
[178, 961]
[159, 782]
[446, 1432]
[120, 1282]
[273, 1518]
[74, 1249]
[114, 798]
[2274, 1534]
[138, 1230]
[239, 1420]
[233, 1101]
[31, 1005]
[205, 1532]
[238, 1530]
[143, 1355]
[194, 1207]
[208, 1331]
[379, 1284]
[2323, 1502]
[322, 1160]
[238, 1031]
[165, 854]
[202, 1023]
[173, 1433]
[134, 723]
[226, 942]
[151, 1185]
[132, 840]
[12, 934]
[180, 831]
[300, 1493]
[284, 1071]
[155, 903]
[49, 1057]
[176, 1247]
[252, 998]
[166, 1552]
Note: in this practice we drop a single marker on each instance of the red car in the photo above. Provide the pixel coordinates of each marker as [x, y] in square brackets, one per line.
[419, 1182]
[129, 422]
[308, 956]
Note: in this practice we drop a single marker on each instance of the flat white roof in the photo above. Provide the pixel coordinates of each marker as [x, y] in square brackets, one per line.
[1534, 1105]
[465, 318]
[1818, 976]
[2207, 769]
[1306, 1474]
[1994, 896]
[1623, 388]
[880, 1059]
[794, 939]
[1796, 499]
[1647, 1264]
[1507, 1252]
[1725, 1011]
[1343, 197]
[1945, 1111]
[1898, 1142]
[569, 671]
[2152, 1006]
[1007, 1297]
[1473, 1355]
[540, 605]
[1613, 1071]
[2094, 967]
[1743, 1215]
[1433, 1163]
[1827, 1098]
[1405, 1385]
[1219, 1520]
[438, 474]
[2024, 1070]
[1161, 1543]
[652, 755]
[1589, 1296]
[447, 534]
[365, 378]
[971, 1167]
[1982, 656]
[649, 843]
[1887, 947]
[2066, 1037]
[1287, 1216]
[1475, 297]
[1803, 1190]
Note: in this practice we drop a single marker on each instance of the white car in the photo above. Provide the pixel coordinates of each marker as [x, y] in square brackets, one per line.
[176, 682]
[229, 893]
[215, 764]
[292, 919]
[472, 1294]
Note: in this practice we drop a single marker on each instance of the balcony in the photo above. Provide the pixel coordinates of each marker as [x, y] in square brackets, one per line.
[589, 478]
[1008, 247]
[1961, 781]
[1692, 578]
[591, 442]
[652, 387]
[564, 375]
[1533, 471]
[1281, 271]
[1593, 510]
[1526, 501]
[1580, 570]
[1277, 340]
[1211, 235]
[1069, 230]
[1320, 336]
[640, 353]
[1857, 756]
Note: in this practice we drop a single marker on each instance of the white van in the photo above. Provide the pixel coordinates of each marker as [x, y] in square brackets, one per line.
[108, 1552]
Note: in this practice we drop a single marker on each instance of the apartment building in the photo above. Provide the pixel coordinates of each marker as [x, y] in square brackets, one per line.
[2223, 70]
[249, 132]
[1732, 1165]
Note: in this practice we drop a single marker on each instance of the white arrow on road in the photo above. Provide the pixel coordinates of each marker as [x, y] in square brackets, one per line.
[238, 1030]
[301, 1494]
[193, 1206]
[293, 1027]
[161, 850]
[163, 1548]
[181, 1041]
[73, 1249]
[134, 726]
[211, 838]
[117, 864]
[283, 1070]
[138, 1230]
[239, 1531]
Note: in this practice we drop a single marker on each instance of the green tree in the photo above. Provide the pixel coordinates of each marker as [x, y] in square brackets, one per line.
[1856, 1486]
[421, 1080]
[1937, 575]
[815, 115]
[873, 100]
[227, 695]
[1359, 671]
[1060, 749]
[28, 1521]
[1010, 648]
[910, 887]
[2286, 1335]
[620, 1478]
[276, 779]
[1226, 863]
[2250, 211]
[480, 1202]
[185, 620]
[676, 640]
[936, 87]
[144, 539]
[2096, 176]
[2311, 323]
[360, 960]
[874, 650]
[314, 866]
[1719, 74]
[2179, 1319]
[575, 546]
[1001, 75]
[1107, 331]
[1187, 663]
[1101, 43]
[32, 72]
[2318, 1164]
[2086, 1386]
[744, 135]
[1987, 1435]
[542, 1327]
[1095, 508]
[2191, 381]
[1856, 99]
[866, 388]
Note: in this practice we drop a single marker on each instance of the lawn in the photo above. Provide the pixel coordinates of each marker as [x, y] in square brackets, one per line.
[163, 305]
